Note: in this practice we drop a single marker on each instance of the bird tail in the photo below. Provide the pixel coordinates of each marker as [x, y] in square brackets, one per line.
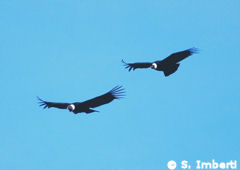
[90, 111]
[172, 69]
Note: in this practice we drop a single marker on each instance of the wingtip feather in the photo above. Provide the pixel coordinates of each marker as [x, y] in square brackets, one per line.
[118, 92]
[127, 65]
[42, 103]
[194, 50]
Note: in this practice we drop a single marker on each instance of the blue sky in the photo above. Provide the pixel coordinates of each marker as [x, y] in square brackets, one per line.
[70, 51]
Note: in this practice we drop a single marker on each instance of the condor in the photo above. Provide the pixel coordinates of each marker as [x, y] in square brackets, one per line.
[168, 65]
[86, 106]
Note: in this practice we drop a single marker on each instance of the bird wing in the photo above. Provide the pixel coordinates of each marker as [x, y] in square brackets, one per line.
[46, 104]
[116, 93]
[178, 56]
[133, 66]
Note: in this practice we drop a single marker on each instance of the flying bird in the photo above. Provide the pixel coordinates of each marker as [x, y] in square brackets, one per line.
[168, 65]
[86, 106]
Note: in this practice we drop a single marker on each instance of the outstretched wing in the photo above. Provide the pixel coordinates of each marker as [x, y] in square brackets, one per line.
[116, 93]
[52, 104]
[178, 56]
[133, 66]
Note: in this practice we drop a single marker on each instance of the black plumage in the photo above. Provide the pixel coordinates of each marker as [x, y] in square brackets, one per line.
[168, 65]
[78, 107]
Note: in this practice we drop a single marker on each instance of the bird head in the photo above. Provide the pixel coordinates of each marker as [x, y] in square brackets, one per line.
[153, 66]
[71, 107]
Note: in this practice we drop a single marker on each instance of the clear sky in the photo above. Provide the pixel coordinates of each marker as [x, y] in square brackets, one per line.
[71, 50]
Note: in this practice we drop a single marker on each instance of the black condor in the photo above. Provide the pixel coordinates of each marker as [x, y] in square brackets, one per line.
[168, 65]
[86, 106]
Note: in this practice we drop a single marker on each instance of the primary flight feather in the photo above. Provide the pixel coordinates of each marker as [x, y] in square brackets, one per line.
[78, 107]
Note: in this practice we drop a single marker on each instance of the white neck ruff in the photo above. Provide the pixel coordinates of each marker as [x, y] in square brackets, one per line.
[154, 65]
